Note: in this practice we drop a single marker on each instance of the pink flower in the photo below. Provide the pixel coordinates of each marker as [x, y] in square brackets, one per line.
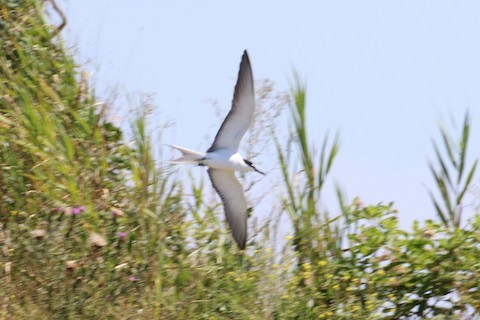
[117, 212]
[122, 235]
[77, 210]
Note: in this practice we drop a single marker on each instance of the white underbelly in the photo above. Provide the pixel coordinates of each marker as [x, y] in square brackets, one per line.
[224, 162]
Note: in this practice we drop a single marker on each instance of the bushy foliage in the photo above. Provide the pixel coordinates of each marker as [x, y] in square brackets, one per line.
[93, 228]
[360, 264]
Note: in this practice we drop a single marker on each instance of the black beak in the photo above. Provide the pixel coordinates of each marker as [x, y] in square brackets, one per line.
[260, 172]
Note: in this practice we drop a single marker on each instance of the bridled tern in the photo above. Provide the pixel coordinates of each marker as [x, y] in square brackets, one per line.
[223, 159]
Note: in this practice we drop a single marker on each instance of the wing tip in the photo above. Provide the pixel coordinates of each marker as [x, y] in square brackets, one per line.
[239, 235]
[241, 245]
[240, 240]
[245, 58]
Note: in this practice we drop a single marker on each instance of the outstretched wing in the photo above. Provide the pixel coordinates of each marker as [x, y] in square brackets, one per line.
[241, 114]
[231, 192]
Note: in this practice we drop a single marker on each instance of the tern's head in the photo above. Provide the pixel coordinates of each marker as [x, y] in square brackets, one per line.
[251, 165]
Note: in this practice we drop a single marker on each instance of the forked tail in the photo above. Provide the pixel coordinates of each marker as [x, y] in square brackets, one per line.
[188, 156]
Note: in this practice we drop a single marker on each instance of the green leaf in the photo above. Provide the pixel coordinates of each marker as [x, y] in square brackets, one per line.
[467, 182]
[442, 163]
[463, 146]
[440, 213]
[447, 143]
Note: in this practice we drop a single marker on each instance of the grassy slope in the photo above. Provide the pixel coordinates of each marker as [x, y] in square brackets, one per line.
[76, 240]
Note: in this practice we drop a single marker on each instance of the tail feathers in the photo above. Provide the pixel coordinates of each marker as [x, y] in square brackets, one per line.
[188, 156]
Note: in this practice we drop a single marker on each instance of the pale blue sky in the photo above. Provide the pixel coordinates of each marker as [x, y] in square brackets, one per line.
[381, 72]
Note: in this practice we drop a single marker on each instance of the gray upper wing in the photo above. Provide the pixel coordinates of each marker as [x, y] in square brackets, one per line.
[241, 114]
[234, 203]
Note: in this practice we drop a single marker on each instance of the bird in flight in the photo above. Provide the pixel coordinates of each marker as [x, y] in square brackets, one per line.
[223, 158]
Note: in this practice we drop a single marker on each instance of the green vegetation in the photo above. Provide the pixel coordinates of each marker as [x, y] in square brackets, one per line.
[91, 228]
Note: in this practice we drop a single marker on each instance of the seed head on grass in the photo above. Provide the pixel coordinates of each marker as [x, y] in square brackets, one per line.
[71, 265]
[97, 240]
[38, 233]
[358, 202]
